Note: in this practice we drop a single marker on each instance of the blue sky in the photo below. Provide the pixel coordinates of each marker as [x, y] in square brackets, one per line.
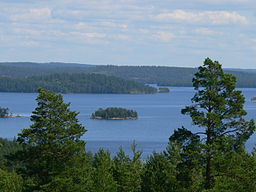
[129, 32]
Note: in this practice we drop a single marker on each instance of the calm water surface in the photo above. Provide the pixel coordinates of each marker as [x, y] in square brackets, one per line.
[159, 115]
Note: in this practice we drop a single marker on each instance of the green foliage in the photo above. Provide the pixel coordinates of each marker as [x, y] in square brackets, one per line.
[4, 112]
[127, 172]
[236, 173]
[184, 152]
[6, 149]
[10, 182]
[218, 110]
[114, 112]
[52, 142]
[159, 175]
[103, 174]
[163, 90]
[74, 83]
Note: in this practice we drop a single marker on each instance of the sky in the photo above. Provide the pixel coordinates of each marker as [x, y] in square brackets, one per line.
[129, 32]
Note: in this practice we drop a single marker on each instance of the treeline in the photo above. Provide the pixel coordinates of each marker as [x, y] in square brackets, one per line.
[168, 76]
[74, 83]
[114, 113]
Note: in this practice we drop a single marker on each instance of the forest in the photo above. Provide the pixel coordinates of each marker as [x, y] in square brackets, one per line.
[50, 156]
[114, 113]
[165, 76]
[74, 83]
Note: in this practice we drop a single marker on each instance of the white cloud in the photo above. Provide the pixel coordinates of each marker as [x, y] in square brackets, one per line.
[163, 36]
[90, 35]
[204, 17]
[83, 26]
[122, 37]
[114, 25]
[253, 40]
[205, 31]
[225, 1]
[30, 43]
[27, 31]
[33, 15]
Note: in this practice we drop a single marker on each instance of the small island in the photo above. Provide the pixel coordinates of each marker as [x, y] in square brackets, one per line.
[253, 99]
[163, 90]
[114, 113]
[4, 112]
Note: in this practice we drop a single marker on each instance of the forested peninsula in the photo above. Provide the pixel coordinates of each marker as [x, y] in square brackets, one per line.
[74, 83]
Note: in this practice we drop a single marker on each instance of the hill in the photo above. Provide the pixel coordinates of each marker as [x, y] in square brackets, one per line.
[74, 83]
[167, 76]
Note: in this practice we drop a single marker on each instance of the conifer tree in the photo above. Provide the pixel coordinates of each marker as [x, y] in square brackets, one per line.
[103, 173]
[52, 142]
[218, 111]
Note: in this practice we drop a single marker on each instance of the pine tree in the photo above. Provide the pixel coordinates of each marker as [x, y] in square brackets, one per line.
[52, 142]
[217, 109]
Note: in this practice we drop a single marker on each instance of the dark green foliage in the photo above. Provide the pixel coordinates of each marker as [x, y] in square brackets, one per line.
[4, 112]
[184, 152]
[163, 90]
[103, 173]
[7, 148]
[236, 173]
[114, 113]
[165, 76]
[127, 172]
[159, 174]
[74, 83]
[52, 142]
[218, 110]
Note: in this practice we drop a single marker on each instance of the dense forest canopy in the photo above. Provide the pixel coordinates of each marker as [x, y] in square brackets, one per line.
[114, 113]
[169, 76]
[74, 83]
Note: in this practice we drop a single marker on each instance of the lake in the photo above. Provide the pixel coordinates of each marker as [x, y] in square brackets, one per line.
[159, 115]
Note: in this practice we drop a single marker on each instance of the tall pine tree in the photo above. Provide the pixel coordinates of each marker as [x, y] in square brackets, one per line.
[217, 109]
[52, 143]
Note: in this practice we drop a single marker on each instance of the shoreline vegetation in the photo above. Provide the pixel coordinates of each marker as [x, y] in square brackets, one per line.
[163, 90]
[160, 75]
[75, 83]
[4, 113]
[114, 113]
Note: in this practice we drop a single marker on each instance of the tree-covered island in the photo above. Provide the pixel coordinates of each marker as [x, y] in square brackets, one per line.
[114, 113]
[163, 90]
[4, 112]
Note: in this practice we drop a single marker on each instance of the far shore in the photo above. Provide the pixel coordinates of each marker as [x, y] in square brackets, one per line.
[12, 115]
[115, 118]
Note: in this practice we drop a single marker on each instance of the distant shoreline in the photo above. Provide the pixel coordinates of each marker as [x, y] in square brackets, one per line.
[114, 118]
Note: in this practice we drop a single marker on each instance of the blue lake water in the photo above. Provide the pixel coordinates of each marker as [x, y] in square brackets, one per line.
[159, 115]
